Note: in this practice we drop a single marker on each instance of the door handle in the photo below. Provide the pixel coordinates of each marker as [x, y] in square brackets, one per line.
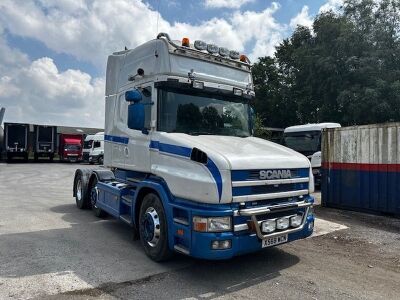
[126, 151]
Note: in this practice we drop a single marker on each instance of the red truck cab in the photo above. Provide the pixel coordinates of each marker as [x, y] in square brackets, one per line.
[70, 147]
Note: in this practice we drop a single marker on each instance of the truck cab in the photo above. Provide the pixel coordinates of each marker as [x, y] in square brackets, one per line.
[183, 168]
[70, 147]
[306, 139]
[96, 151]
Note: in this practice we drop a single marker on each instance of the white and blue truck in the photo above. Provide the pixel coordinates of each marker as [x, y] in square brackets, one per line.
[180, 164]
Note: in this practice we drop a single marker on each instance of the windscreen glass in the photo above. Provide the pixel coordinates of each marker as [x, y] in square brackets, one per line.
[87, 144]
[196, 113]
[72, 147]
[306, 142]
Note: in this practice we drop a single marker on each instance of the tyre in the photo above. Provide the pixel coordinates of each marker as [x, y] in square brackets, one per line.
[81, 188]
[51, 158]
[98, 212]
[35, 157]
[153, 228]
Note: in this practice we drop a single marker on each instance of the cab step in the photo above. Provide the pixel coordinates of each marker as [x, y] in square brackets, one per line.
[126, 218]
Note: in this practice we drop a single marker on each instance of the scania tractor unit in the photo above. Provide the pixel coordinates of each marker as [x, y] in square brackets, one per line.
[180, 164]
[306, 139]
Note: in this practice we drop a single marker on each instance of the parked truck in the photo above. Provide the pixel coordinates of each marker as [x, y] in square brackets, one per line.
[70, 147]
[44, 141]
[16, 140]
[93, 148]
[182, 168]
[306, 139]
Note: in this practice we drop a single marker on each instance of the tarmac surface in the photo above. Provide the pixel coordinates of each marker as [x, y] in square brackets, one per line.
[49, 249]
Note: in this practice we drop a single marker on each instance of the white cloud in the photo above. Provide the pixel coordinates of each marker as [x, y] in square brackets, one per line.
[333, 5]
[91, 30]
[226, 3]
[302, 18]
[39, 93]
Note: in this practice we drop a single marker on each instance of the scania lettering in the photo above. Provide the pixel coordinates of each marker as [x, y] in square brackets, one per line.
[306, 139]
[180, 164]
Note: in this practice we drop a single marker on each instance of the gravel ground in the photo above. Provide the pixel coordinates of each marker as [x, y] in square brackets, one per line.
[51, 250]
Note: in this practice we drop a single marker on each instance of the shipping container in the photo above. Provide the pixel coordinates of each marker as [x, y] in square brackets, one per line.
[361, 168]
[16, 140]
[45, 141]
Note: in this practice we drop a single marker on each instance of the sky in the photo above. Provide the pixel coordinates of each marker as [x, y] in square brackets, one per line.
[53, 53]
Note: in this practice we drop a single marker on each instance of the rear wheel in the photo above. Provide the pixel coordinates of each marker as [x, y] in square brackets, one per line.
[153, 229]
[81, 191]
[94, 195]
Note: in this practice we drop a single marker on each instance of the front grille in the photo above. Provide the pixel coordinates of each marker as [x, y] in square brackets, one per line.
[241, 175]
[247, 186]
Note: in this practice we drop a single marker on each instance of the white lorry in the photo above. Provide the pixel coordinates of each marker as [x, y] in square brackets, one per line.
[181, 166]
[306, 139]
[93, 148]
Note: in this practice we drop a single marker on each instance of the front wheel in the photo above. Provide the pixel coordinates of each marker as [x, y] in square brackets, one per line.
[153, 228]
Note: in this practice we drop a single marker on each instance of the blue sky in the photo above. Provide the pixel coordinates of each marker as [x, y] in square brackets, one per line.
[53, 53]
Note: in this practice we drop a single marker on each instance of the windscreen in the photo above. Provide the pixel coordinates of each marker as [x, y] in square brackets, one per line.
[72, 147]
[87, 144]
[306, 142]
[196, 113]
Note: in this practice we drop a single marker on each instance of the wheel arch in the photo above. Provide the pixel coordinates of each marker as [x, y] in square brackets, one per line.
[145, 188]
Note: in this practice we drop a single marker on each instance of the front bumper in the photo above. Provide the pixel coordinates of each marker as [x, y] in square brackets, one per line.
[242, 241]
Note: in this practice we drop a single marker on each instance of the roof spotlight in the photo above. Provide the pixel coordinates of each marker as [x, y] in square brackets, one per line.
[212, 48]
[234, 54]
[200, 45]
[223, 51]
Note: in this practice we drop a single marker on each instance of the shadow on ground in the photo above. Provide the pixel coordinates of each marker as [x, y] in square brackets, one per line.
[102, 254]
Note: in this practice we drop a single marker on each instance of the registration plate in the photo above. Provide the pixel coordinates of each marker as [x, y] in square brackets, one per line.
[276, 240]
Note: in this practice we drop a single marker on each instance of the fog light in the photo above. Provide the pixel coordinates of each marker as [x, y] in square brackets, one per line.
[295, 221]
[282, 223]
[221, 245]
[268, 226]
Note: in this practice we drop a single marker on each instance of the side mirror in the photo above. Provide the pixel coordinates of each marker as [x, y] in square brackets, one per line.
[136, 113]
[133, 96]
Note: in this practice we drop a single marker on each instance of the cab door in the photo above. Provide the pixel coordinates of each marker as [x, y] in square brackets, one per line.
[137, 154]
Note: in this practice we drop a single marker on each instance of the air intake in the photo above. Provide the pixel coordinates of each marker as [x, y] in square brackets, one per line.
[198, 156]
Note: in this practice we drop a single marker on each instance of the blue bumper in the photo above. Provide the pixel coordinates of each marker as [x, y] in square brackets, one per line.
[198, 244]
[241, 243]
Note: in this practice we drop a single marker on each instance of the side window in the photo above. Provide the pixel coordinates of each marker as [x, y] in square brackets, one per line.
[96, 144]
[146, 100]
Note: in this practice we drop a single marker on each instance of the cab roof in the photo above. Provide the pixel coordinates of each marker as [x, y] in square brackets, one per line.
[311, 127]
[162, 56]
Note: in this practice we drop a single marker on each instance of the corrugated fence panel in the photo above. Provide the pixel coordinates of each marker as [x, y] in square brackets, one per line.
[361, 168]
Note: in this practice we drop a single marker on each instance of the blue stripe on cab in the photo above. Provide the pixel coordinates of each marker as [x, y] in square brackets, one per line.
[116, 139]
